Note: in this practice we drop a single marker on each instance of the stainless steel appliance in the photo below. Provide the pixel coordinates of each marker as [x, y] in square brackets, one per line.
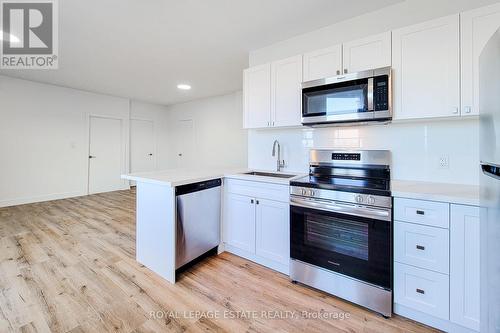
[341, 227]
[357, 97]
[489, 106]
[198, 220]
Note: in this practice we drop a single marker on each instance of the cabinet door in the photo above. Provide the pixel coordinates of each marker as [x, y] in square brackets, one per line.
[323, 63]
[257, 96]
[272, 230]
[286, 80]
[426, 69]
[477, 27]
[367, 53]
[239, 222]
[464, 266]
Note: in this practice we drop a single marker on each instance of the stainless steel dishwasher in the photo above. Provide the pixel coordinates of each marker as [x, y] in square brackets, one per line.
[198, 220]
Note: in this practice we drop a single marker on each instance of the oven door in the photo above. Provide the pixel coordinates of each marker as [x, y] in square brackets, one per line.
[339, 101]
[349, 239]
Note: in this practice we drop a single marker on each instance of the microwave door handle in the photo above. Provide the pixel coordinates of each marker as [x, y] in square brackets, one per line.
[370, 94]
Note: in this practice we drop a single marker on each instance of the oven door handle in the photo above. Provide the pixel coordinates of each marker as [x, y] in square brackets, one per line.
[347, 209]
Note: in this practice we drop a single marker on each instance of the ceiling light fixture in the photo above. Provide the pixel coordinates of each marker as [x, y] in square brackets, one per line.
[10, 37]
[184, 86]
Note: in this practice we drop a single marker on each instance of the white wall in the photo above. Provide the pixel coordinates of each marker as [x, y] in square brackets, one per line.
[416, 148]
[399, 15]
[220, 140]
[44, 137]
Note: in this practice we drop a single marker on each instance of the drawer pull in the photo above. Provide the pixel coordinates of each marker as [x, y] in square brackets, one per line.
[420, 212]
[420, 247]
[421, 291]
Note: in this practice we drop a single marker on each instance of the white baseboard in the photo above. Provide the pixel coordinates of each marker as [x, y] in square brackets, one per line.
[444, 325]
[42, 198]
[259, 260]
[50, 197]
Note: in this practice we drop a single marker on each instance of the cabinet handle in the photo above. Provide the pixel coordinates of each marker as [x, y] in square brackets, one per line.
[468, 109]
[420, 212]
[420, 291]
[257, 202]
[273, 123]
[420, 247]
[251, 201]
[455, 110]
[345, 70]
[268, 123]
[338, 71]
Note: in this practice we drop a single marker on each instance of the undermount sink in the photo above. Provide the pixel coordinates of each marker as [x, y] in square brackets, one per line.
[269, 174]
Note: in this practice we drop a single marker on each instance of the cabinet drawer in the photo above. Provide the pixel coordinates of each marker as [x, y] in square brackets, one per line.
[436, 214]
[422, 246]
[258, 189]
[422, 290]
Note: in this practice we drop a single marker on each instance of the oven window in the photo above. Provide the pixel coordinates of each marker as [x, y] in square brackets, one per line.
[337, 235]
[335, 99]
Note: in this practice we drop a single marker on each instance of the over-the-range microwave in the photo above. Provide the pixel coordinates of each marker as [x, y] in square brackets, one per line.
[351, 98]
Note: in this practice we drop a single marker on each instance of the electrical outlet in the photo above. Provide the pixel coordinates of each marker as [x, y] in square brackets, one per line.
[444, 162]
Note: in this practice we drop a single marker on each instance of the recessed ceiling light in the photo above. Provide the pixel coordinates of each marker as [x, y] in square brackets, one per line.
[10, 37]
[183, 86]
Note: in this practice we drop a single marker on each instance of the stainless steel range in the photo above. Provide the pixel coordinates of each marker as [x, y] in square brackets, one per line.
[341, 227]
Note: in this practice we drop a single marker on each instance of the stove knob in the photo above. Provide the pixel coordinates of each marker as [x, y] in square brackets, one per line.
[359, 198]
[304, 192]
[371, 200]
[311, 193]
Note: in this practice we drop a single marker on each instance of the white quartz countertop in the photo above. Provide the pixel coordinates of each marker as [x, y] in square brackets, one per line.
[453, 193]
[178, 177]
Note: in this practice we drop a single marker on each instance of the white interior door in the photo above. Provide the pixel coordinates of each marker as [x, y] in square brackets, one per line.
[185, 147]
[105, 155]
[142, 146]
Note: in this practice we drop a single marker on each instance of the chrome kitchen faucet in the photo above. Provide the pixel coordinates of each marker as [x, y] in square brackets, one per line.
[279, 164]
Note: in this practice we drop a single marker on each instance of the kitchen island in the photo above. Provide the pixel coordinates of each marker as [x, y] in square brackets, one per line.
[156, 213]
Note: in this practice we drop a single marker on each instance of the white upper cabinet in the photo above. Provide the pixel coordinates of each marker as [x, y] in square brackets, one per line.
[286, 80]
[464, 266]
[426, 70]
[323, 63]
[367, 53]
[257, 96]
[477, 26]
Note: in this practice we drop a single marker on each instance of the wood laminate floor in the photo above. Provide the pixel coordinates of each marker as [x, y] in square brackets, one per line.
[68, 266]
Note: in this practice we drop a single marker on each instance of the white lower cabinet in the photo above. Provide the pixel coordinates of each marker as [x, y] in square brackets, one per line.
[464, 266]
[436, 264]
[422, 290]
[240, 233]
[256, 222]
[272, 230]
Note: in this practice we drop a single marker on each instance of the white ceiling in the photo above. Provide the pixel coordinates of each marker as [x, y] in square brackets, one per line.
[142, 49]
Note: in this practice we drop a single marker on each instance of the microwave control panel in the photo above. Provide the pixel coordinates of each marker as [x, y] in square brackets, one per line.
[381, 93]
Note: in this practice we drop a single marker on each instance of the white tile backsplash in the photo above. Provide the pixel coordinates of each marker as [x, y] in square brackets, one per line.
[416, 147]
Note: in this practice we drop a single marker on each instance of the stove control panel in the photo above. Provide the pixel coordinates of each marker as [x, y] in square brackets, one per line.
[346, 156]
[355, 198]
